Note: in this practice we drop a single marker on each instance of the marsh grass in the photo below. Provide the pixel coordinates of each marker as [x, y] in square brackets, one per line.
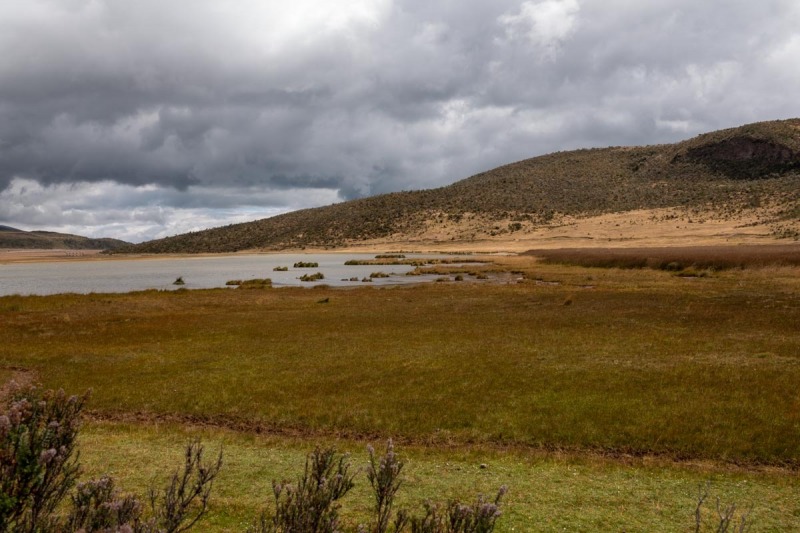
[312, 277]
[254, 283]
[676, 259]
[641, 362]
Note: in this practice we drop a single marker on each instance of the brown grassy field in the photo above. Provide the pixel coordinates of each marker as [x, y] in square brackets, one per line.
[620, 362]
[602, 396]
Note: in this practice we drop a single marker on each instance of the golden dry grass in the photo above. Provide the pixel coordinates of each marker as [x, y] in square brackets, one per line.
[619, 362]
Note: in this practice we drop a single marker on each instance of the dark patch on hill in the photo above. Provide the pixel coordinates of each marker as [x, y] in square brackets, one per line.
[49, 240]
[727, 169]
[746, 158]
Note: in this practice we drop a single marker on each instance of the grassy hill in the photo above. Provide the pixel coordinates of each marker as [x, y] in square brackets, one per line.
[49, 240]
[753, 167]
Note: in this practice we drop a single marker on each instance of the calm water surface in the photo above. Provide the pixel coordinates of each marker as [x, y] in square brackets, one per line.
[197, 272]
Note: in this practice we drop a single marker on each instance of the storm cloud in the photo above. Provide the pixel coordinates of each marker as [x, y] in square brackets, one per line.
[149, 118]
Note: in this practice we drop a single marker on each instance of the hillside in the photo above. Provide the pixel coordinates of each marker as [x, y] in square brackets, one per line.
[49, 240]
[749, 175]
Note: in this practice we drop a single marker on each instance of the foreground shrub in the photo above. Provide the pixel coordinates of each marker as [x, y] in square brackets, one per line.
[38, 461]
[312, 505]
[39, 468]
[725, 519]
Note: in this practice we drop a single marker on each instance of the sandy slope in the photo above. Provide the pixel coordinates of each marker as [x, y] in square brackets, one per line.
[654, 227]
[658, 227]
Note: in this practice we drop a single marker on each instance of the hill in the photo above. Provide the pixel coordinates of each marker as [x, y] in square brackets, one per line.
[49, 240]
[749, 175]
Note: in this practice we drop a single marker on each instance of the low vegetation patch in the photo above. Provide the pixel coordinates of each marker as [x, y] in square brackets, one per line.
[255, 283]
[303, 264]
[312, 277]
[676, 259]
[280, 269]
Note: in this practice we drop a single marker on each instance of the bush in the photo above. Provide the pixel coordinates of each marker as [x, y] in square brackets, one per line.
[312, 277]
[723, 520]
[312, 503]
[39, 467]
[301, 264]
[280, 269]
[38, 463]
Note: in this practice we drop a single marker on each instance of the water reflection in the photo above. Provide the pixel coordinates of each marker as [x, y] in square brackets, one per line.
[197, 273]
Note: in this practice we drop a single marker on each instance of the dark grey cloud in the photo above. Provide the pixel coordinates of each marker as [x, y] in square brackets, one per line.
[249, 108]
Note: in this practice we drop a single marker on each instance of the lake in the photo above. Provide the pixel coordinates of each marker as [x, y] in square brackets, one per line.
[123, 275]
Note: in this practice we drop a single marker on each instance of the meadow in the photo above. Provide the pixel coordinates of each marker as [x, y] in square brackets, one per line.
[602, 397]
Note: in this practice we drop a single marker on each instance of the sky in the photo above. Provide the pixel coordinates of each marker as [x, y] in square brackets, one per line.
[144, 119]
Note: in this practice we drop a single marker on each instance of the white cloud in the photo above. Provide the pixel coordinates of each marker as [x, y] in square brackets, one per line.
[218, 109]
[546, 24]
[138, 213]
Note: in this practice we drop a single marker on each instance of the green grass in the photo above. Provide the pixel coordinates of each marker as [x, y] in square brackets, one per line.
[641, 362]
[547, 493]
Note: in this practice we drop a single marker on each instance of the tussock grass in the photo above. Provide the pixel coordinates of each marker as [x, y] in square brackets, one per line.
[254, 283]
[641, 362]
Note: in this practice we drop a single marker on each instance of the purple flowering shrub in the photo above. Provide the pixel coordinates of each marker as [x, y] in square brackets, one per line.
[38, 462]
[312, 504]
[39, 468]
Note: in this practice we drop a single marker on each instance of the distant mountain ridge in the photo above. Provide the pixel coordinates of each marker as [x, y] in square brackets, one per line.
[50, 240]
[752, 167]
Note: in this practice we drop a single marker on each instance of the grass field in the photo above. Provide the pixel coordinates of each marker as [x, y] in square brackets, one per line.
[548, 492]
[631, 375]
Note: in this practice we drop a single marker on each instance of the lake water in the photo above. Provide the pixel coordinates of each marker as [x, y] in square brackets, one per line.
[120, 275]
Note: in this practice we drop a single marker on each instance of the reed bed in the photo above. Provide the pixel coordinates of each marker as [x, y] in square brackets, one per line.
[676, 258]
